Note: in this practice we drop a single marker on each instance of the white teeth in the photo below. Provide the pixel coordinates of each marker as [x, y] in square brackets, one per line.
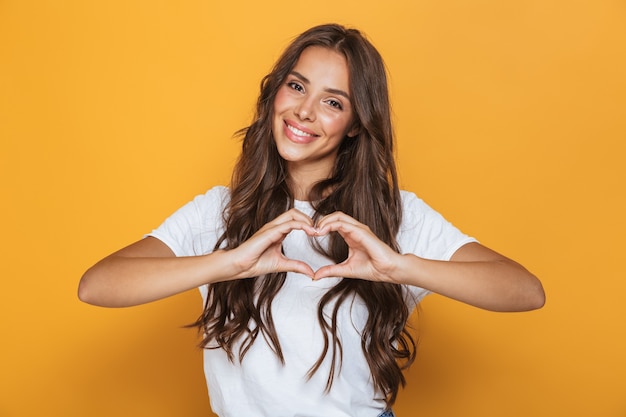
[298, 131]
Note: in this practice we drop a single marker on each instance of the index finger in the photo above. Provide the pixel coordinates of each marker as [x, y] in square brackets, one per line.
[288, 216]
[335, 217]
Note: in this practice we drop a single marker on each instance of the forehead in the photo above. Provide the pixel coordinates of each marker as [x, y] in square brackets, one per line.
[325, 66]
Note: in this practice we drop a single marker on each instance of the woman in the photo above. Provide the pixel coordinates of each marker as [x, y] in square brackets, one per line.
[312, 247]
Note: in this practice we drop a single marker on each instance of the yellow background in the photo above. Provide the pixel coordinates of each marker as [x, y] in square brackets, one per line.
[510, 121]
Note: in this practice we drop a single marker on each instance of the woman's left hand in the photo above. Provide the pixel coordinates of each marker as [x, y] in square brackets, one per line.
[475, 274]
[368, 257]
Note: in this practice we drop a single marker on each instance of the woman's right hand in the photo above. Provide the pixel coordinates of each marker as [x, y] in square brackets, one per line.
[262, 253]
[148, 270]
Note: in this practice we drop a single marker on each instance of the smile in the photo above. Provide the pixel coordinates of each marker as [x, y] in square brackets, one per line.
[299, 132]
[299, 135]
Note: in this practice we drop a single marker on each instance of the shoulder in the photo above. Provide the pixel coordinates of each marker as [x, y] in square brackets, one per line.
[425, 232]
[210, 206]
[414, 210]
[408, 197]
[218, 195]
[204, 211]
[416, 213]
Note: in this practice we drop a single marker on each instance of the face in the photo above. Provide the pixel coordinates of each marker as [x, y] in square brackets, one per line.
[313, 113]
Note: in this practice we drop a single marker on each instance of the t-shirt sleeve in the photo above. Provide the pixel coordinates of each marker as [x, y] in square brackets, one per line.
[195, 227]
[425, 233]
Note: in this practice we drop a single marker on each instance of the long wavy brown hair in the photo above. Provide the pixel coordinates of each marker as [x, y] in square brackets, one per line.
[363, 185]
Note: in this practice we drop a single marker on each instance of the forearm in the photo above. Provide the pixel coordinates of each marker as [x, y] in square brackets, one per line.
[122, 281]
[497, 285]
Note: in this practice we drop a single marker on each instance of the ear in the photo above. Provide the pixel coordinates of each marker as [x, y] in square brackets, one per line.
[354, 131]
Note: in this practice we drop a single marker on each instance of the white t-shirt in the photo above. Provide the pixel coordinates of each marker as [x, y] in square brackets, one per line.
[260, 385]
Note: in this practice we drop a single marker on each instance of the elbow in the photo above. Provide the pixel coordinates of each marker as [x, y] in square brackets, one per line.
[83, 291]
[535, 296]
[95, 289]
[540, 299]
[86, 292]
[528, 295]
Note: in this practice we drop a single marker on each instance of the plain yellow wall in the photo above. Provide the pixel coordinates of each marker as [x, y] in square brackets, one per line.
[510, 119]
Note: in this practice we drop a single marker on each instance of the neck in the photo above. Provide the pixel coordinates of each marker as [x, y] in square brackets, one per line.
[302, 179]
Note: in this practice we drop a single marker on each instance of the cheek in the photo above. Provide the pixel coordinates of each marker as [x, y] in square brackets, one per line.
[338, 125]
[277, 110]
[280, 101]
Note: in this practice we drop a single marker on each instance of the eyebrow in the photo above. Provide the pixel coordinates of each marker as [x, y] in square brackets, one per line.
[328, 90]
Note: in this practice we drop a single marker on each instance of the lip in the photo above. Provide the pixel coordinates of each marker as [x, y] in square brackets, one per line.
[292, 136]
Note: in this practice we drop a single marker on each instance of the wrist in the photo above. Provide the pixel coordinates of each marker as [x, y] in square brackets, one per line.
[224, 266]
[406, 269]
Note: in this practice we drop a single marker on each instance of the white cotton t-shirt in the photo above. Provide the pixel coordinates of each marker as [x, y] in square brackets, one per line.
[261, 385]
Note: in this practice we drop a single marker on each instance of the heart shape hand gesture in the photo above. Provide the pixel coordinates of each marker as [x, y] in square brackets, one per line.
[368, 257]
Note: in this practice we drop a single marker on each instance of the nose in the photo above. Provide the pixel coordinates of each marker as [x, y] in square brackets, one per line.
[305, 110]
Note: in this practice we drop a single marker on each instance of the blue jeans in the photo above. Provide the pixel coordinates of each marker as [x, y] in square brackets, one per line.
[387, 413]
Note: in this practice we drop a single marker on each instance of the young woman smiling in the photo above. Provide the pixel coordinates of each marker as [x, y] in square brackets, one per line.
[312, 247]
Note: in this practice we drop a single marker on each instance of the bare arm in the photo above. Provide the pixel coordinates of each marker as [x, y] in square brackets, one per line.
[475, 274]
[147, 270]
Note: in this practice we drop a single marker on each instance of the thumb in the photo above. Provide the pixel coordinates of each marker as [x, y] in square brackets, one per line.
[299, 267]
[329, 271]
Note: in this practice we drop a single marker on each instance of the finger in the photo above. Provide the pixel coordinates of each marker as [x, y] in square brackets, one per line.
[278, 232]
[292, 214]
[299, 267]
[350, 232]
[332, 271]
[272, 235]
[336, 217]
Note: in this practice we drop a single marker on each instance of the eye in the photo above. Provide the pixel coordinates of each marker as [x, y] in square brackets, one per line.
[334, 103]
[295, 86]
